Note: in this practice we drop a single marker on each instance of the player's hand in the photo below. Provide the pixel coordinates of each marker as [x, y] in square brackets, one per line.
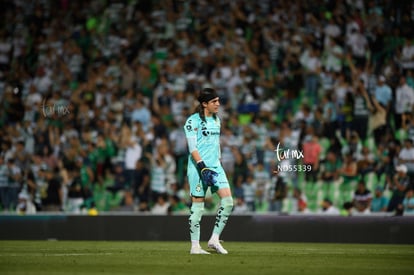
[208, 175]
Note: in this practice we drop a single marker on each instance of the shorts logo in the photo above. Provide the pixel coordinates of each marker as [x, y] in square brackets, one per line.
[198, 187]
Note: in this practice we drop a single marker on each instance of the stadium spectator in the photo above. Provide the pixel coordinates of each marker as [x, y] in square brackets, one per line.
[240, 206]
[301, 202]
[383, 93]
[238, 191]
[406, 156]
[365, 161]
[6, 49]
[54, 193]
[352, 145]
[4, 182]
[398, 186]
[14, 184]
[312, 66]
[358, 44]
[141, 183]
[311, 156]
[408, 125]
[348, 209]
[329, 116]
[262, 185]
[379, 202]
[408, 202]
[407, 55]
[127, 204]
[141, 113]
[249, 192]
[260, 133]
[161, 205]
[360, 109]
[170, 169]
[328, 208]
[383, 164]
[349, 169]
[345, 114]
[179, 150]
[304, 114]
[277, 194]
[76, 192]
[404, 101]
[158, 177]
[331, 168]
[119, 180]
[410, 78]
[25, 205]
[333, 52]
[177, 206]
[362, 198]
[378, 123]
[240, 165]
[303, 207]
[133, 153]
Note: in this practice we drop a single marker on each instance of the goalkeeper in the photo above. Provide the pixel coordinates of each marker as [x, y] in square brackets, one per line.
[204, 170]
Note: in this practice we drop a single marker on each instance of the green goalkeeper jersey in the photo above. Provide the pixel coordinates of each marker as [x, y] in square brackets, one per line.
[204, 137]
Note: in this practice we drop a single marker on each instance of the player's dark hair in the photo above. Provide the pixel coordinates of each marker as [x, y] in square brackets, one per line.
[205, 95]
[200, 111]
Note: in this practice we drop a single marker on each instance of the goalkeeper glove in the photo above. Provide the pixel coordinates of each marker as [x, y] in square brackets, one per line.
[208, 175]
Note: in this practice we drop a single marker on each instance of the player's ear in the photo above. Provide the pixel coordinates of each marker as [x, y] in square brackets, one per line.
[204, 104]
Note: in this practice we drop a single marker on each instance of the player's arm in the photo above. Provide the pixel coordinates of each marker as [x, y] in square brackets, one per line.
[196, 156]
[190, 129]
[208, 175]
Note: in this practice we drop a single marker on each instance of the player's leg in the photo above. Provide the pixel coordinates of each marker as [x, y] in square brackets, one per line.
[197, 192]
[223, 213]
[196, 213]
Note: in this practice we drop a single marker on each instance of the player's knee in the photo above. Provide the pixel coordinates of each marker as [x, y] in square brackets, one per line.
[197, 211]
[227, 204]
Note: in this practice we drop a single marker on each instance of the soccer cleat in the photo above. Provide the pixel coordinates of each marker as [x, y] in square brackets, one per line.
[216, 245]
[198, 250]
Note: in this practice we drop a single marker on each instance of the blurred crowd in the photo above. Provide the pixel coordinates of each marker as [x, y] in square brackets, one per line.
[316, 103]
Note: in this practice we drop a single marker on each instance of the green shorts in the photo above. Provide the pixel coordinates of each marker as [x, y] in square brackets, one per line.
[197, 188]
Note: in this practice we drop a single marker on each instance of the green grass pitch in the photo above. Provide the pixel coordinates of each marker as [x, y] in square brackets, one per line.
[135, 257]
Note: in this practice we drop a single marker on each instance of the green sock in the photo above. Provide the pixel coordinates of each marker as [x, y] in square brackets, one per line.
[197, 209]
[223, 214]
